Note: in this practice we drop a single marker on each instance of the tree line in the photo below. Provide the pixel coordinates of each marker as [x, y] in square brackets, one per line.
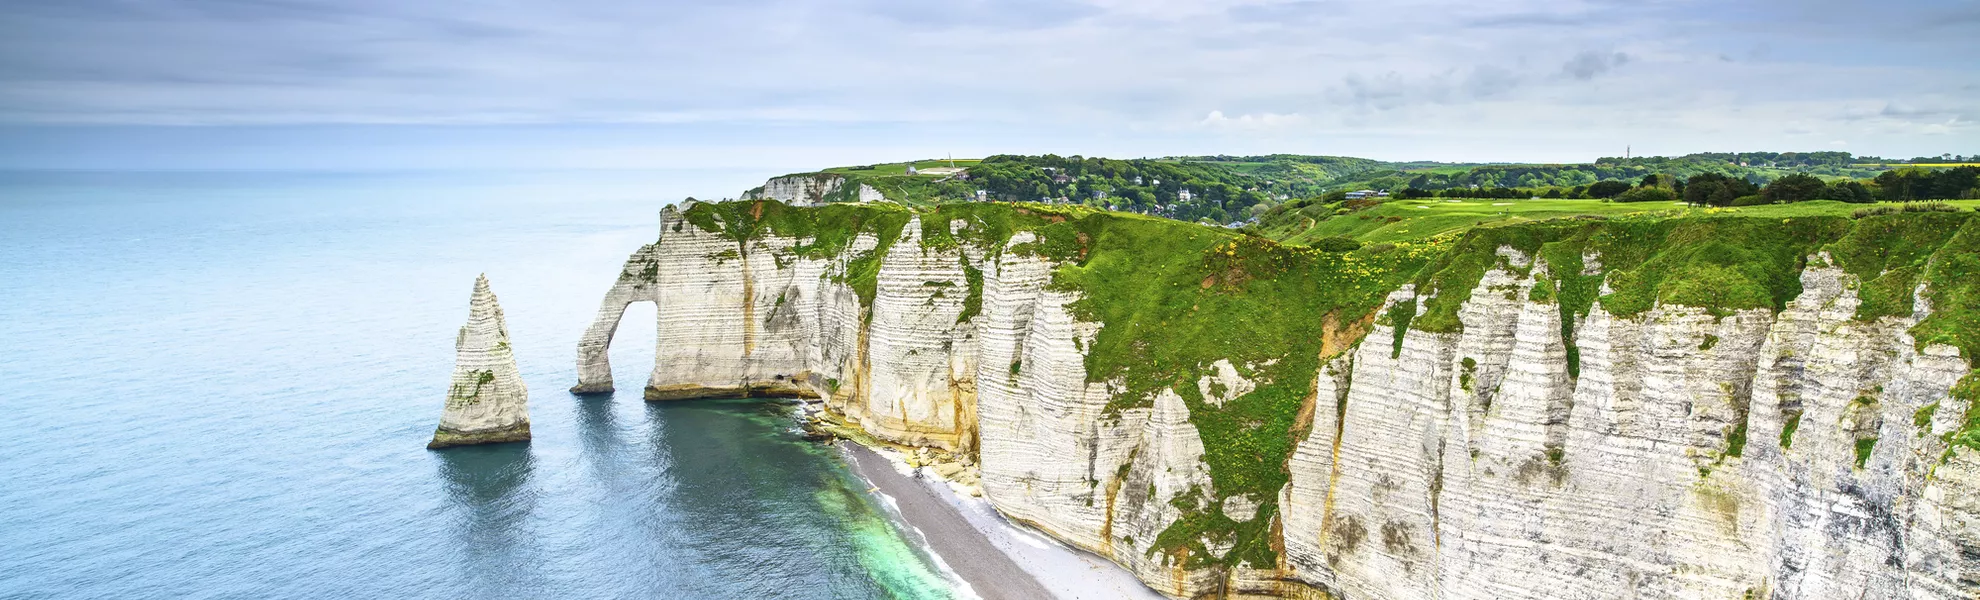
[1722, 189]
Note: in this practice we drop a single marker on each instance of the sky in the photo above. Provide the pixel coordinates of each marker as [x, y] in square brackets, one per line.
[795, 84]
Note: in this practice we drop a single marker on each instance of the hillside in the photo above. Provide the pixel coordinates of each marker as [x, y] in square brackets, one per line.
[1239, 189]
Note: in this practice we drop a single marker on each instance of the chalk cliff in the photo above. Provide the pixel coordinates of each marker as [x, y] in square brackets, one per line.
[487, 402]
[1582, 409]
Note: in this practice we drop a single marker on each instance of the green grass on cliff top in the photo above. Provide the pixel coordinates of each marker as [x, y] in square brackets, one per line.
[1174, 297]
[890, 169]
[1397, 220]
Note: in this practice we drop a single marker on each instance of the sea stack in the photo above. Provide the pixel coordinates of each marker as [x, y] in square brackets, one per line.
[487, 402]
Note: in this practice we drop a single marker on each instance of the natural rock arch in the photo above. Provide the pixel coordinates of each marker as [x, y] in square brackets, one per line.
[635, 284]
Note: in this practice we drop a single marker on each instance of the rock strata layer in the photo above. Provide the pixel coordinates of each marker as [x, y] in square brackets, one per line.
[1528, 452]
[487, 401]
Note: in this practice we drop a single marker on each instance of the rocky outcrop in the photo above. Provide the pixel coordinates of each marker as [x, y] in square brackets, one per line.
[867, 193]
[814, 189]
[1529, 451]
[487, 402]
[809, 189]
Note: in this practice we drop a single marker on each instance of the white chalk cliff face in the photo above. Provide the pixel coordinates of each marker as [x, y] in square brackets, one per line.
[804, 190]
[1689, 456]
[812, 189]
[1473, 465]
[487, 402]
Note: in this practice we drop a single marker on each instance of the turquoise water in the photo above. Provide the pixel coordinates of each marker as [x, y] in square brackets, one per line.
[220, 386]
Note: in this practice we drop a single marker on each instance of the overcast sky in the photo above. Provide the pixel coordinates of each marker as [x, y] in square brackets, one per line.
[641, 83]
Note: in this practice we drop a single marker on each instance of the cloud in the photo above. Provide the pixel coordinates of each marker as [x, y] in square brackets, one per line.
[1253, 122]
[980, 70]
[1297, 11]
[981, 14]
[1487, 81]
[1589, 63]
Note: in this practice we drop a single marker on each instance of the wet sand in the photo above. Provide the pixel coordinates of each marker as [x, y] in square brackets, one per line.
[996, 558]
[989, 572]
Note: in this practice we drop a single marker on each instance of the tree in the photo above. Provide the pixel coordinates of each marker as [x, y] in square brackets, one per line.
[1650, 181]
[1848, 191]
[1896, 187]
[1647, 194]
[1607, 189]
[1715, 189]
[1794, 188]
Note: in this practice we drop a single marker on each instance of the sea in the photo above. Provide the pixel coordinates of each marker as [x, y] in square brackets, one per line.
[221, 385]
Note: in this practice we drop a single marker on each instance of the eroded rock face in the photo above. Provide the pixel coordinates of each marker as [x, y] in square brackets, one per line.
[487, 402]
[1652, 461]
[635, 284]
[1472, 465]
[804, 190]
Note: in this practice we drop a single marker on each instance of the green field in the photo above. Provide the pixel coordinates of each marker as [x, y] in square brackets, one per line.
[890, 169]
[1399, 220]
[1943, 165]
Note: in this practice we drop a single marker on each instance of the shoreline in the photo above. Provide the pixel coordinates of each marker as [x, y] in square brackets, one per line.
[994, 558]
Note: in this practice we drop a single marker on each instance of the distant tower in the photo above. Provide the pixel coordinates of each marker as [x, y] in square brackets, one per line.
[1625, 152]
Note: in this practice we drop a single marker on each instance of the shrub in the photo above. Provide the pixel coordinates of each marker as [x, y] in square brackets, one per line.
[1874, 211]
[1608, 189]
[1752, 200]
[1908, 207]
[1338, 243]
[1650, 194]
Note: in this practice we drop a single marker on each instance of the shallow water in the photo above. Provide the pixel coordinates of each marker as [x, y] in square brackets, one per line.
[220, 386]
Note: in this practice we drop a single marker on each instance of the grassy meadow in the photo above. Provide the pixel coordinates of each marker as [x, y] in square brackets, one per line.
[900, 168]
[1401, 220]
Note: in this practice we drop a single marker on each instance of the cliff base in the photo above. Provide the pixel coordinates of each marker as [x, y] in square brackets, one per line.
[754, 390]
[583, 389]
[444, 437]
